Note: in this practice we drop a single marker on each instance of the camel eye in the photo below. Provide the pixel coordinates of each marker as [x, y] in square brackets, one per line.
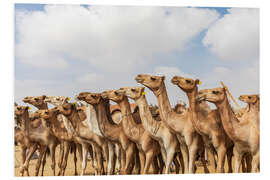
[133, 90]
[116, 93]
[94, 96]
[188, 81]
[215, 92]
[153, 79]
[36, 99]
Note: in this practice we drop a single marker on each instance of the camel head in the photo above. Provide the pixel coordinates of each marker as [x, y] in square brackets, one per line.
[214, 95]
[48, 113]
[93, 98]
[35, 100]
[56, 100]
[132, 92]
[180, 107]
[66, 109]
[186, 84]
[152, 82]
[250, 99]
[114, 95]
[20, 110]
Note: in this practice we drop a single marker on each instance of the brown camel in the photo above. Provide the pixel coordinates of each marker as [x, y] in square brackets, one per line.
[40, 135]
[157, 129]
[148, 147]
[111, 131]
[245, 136]
[207, 124]
[84, 135]
[179, 124]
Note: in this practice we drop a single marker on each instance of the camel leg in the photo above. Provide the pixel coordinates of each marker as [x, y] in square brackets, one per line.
[155, 165]
[142, 161]
[221, 159]
[176, 164]
[44, 162]
[237, 160]
[52, 148]
[100, 167]
[75, 158]
[32, 149]
[43, 150]
[255, 162]
[94, 160]
[193, 149]
[118, 159]
[148, 160]
[229, 154]
[123, 161]
[185, 154]
[129, 158]
[249, 162]
[110, 159]
[84, 161]
[161, 163]
[64, 165]
[180, 158]
[61, 154]
[243, 163]
[105, 150]
[170, 155]
[23, 157]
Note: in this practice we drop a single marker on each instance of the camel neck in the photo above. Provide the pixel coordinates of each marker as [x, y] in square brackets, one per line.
[129, 126]
[149, 123]
[194, 108]
[103, 114]
[228, 118]
[25, 122]
[163, 102]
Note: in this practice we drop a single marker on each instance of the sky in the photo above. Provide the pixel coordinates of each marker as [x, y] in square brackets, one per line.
[68, 49]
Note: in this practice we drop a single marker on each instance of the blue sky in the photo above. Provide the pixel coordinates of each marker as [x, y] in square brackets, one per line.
[205, 43]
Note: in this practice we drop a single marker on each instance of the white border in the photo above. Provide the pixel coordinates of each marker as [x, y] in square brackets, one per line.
[7, 77]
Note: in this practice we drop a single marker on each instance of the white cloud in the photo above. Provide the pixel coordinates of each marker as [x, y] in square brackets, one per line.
[90, 78]
[235, 36]
[100, 35]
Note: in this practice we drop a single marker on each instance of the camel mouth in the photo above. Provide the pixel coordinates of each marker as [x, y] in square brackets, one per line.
[200, 98]
[139, 80]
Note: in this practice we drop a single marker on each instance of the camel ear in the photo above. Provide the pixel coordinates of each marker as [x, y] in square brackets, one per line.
[43, 97]
[163, 78]
[197, 81]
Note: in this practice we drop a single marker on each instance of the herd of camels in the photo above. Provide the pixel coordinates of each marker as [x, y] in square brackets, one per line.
[132, 140]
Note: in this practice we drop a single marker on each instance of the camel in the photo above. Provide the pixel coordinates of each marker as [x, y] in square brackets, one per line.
[179, 124]
[206, 123]
[111, 131]
[157, 129]
[148, 147]
[65, 137]
[84, 135]
[240, 131]
[40, 135]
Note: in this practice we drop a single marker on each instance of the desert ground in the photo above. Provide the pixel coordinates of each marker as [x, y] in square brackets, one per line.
[70, 166]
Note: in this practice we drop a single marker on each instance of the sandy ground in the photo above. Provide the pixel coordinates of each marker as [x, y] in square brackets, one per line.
[70, 166]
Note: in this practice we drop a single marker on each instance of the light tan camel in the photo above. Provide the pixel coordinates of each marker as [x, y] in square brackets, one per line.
[157, 129]
[40, 135]
[66, 138]
[148, 147]
[241, 132]
[39, 103]
[179, 124]
[111, 131]
[84, 135]
[206, 123]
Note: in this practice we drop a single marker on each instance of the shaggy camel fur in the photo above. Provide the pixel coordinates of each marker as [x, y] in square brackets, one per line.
[157, 129]
[111, 131]
[148, 147]
[85, 136]
[40, 135]
[241, 132]
[179, 124]
[207, 124]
